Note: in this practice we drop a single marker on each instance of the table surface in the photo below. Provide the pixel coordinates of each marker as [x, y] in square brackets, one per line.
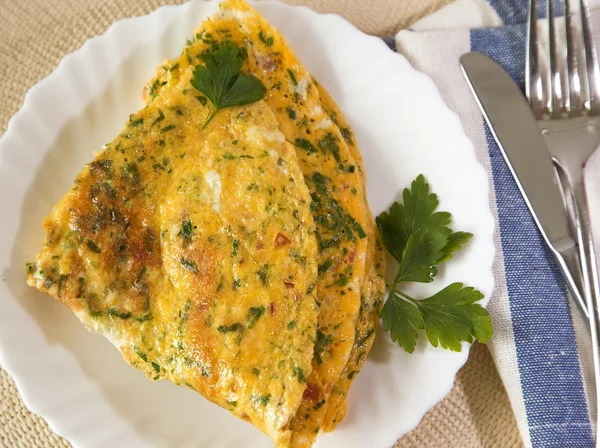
[36, 34]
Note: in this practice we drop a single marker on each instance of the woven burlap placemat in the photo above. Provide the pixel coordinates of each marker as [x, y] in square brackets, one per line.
[36, 34]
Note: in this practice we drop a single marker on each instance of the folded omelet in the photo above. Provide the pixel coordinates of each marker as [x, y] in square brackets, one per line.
[194, 251]
[310, 118]
[372, 290]
[336, 187]
[240, 260]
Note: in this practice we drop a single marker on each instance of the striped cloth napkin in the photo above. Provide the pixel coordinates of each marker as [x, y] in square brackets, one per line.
[540, 346]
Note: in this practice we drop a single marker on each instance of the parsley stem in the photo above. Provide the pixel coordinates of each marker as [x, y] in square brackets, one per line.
[406, 296]
[394, 285]
[211, 116]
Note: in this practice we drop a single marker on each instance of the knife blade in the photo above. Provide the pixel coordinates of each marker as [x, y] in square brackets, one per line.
[515, 129]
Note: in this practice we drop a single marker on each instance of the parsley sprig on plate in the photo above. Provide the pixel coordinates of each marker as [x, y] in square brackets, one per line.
[221, 80]
[419, 238]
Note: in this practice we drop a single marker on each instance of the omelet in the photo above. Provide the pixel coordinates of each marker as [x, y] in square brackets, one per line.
[195, 252]
[236, 256]
[372, 290]
[337, 189]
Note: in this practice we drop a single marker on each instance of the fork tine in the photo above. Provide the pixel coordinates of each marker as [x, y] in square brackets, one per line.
[555, 97]
[573, 97]
[533, 89]
[591, 59]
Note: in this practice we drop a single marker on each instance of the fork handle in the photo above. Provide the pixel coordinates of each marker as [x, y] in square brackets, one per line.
[569, 259]
[591, 280]
[569, 262]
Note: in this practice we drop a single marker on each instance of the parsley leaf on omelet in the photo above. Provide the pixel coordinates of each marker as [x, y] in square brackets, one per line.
[221, 81]
[419, 238]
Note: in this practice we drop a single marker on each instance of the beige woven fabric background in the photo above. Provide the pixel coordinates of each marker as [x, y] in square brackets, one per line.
[36, 34]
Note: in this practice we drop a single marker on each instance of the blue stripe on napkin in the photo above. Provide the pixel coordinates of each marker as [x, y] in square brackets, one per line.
[513, 12]
[547, 353]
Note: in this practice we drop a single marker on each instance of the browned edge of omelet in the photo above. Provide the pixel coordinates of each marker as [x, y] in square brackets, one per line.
[373, 288]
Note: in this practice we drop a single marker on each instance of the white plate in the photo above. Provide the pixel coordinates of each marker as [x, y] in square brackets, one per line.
[76, 380]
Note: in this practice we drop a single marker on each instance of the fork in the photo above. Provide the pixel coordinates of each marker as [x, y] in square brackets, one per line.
[565, 99]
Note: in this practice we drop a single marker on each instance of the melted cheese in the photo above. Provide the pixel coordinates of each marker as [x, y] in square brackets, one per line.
[213, 182]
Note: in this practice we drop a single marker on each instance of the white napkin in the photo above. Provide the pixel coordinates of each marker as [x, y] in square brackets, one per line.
[541, 344]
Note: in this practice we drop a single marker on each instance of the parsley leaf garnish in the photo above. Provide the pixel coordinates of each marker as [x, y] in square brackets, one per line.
[419, 238]
[402, 319]
[221, 80]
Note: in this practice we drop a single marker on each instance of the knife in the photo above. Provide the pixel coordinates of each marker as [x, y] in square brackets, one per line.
[515, 129]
